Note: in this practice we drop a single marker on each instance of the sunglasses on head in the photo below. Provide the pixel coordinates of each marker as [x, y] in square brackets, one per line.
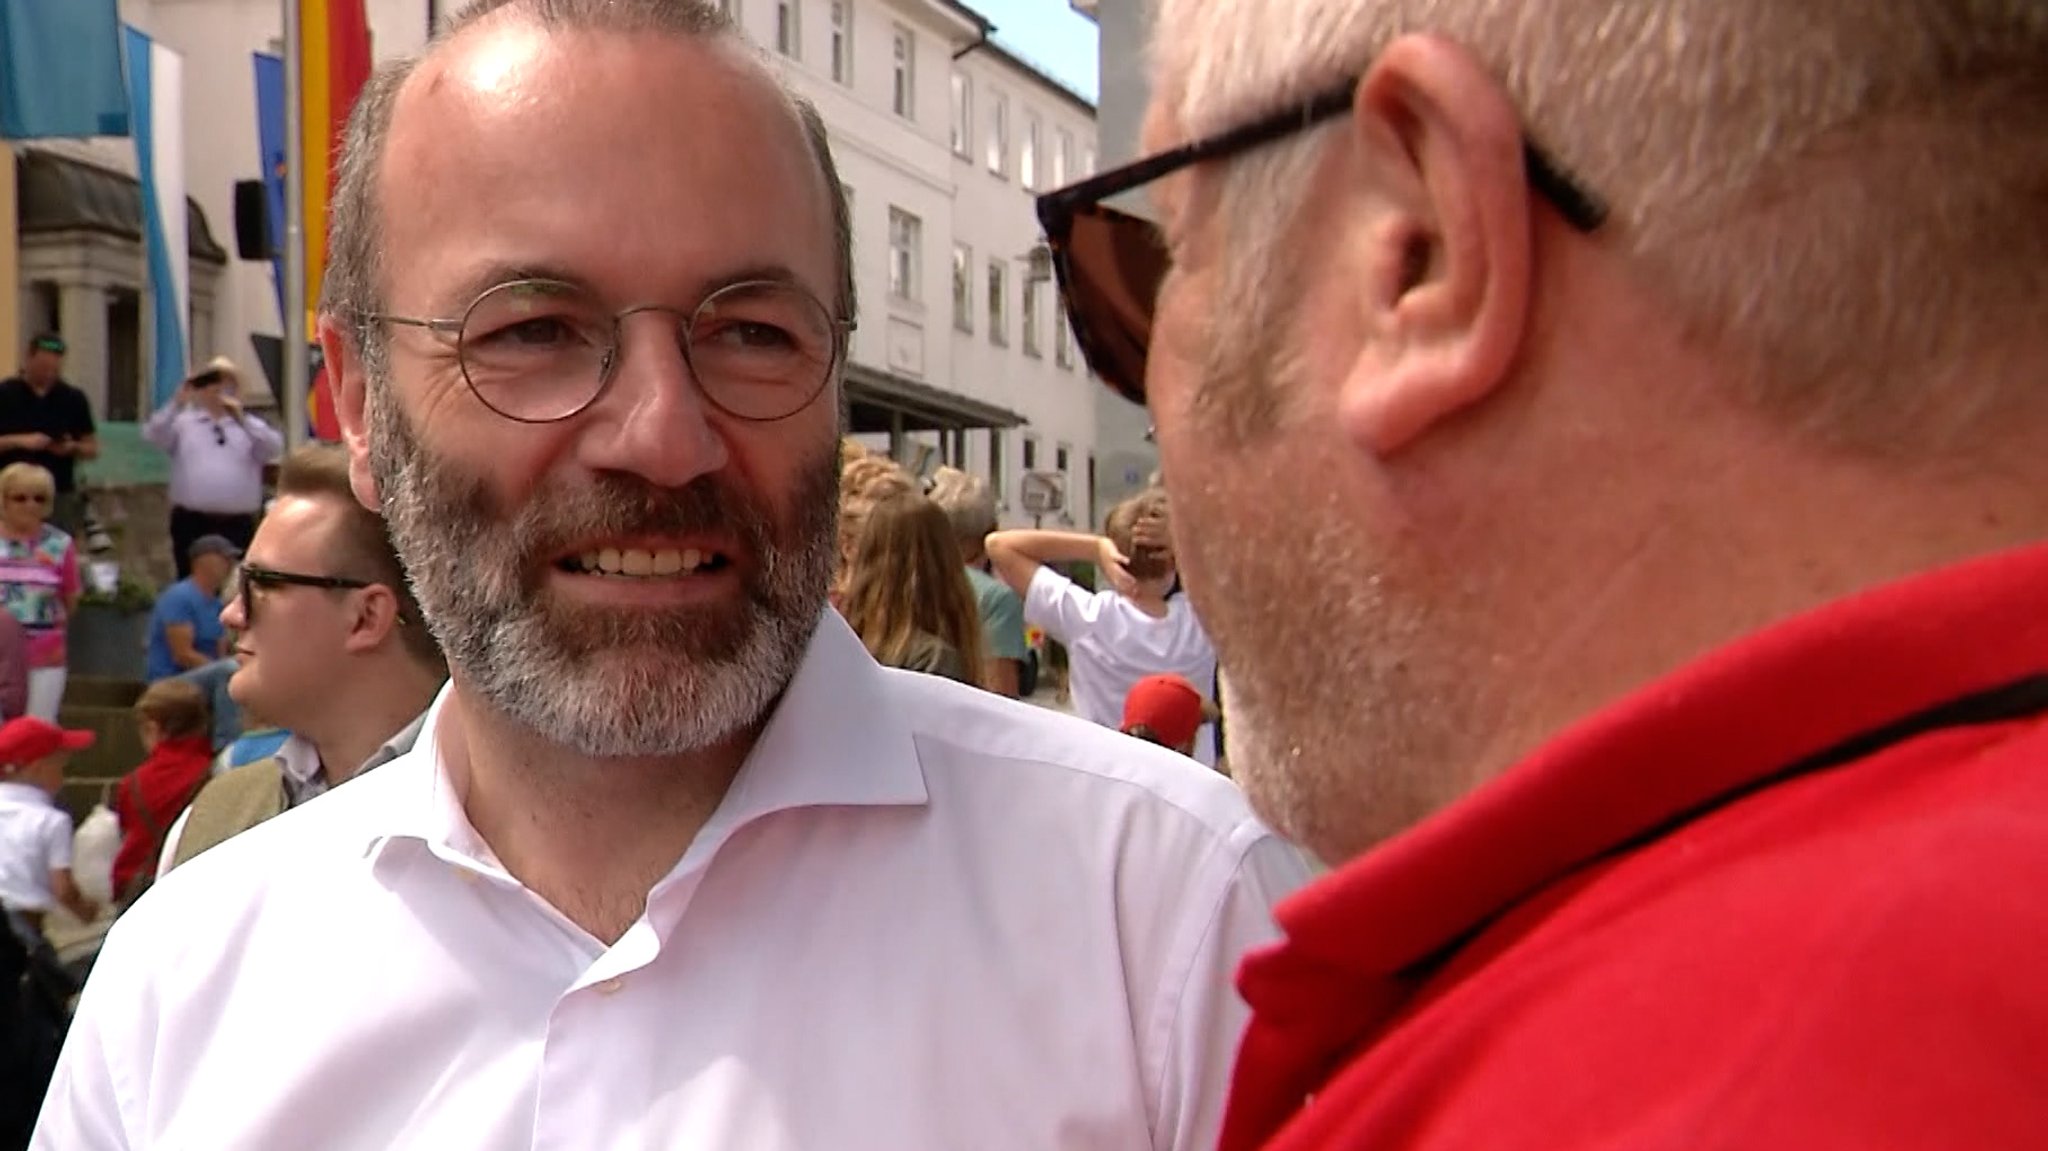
[1110, 263]
[47, 344]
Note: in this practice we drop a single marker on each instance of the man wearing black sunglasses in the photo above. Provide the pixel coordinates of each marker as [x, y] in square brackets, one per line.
[44, 420]
[1605, 441]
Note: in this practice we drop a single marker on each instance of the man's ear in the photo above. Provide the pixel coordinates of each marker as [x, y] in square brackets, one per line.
[1444, 244]
[375, 620]
[350, 388]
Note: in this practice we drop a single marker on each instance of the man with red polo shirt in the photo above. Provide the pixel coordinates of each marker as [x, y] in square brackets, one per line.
[1660, 653]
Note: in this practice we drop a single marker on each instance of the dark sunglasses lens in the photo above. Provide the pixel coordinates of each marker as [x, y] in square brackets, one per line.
[1114, 263]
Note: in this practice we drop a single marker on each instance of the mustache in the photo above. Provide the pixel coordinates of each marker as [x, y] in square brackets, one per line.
[617, 504]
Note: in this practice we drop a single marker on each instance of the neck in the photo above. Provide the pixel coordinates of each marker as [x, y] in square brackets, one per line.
[1150, 600]
[381, 697]
[22, 531]
[41, 387]
[209, 586]
[1726, 551]
[591, 836]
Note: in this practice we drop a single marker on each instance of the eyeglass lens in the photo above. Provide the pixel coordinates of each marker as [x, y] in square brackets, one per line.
[1110, 267]
[540, 350]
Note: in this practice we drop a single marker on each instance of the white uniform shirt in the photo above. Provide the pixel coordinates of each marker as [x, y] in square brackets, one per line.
[35, 839]
[1111, 644]
[924, 918]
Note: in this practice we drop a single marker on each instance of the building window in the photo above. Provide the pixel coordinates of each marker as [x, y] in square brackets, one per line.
[1030, 452]
[1063, 159]
[1087, 163]
[963, 117]
[906, 239]
[963, 287]
[997, 481]
[1030, 295]
[998, 307]
[1062, 342]
[904, 100]
[1027, 160]
[1060, 458]
[999, 134]
[842, 41]
[789, 34]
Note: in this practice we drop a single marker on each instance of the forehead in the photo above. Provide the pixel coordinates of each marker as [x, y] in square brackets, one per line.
[648, 166]
[294, 532]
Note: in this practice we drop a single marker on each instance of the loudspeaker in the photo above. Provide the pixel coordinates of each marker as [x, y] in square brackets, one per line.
[252, 221]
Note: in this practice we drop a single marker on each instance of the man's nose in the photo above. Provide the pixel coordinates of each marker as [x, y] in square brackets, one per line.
[654, 419]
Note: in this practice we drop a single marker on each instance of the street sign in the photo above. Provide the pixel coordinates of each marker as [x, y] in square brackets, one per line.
[1044, 493]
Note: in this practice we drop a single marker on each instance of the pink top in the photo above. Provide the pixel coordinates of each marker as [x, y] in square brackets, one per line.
[36, 577]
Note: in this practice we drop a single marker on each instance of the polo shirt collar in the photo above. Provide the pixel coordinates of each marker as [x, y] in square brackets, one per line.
[1355, 941]
[837, 738]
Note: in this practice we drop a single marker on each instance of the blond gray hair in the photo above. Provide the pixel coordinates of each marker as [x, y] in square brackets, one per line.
[1843, 193]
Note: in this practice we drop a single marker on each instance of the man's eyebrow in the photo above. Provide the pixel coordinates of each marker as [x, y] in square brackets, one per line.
[493, 274]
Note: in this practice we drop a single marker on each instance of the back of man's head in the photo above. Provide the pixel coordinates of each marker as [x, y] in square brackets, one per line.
[362, 546]
[969, 506]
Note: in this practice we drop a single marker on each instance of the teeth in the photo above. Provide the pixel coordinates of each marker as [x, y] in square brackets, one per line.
[638, 562]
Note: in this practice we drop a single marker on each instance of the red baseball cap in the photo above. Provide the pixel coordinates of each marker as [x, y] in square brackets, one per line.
[28, 739]
[1167, 704]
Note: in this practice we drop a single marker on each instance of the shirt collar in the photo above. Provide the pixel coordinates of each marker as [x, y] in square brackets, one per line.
[1716, 727]
[836, 738]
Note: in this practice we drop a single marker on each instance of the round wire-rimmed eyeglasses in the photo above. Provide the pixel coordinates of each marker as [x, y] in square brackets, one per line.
[540, 351]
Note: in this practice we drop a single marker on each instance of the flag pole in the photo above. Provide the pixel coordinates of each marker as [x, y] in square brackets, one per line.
[296, 368]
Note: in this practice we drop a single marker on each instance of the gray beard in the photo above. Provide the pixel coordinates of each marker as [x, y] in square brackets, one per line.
[604, 682]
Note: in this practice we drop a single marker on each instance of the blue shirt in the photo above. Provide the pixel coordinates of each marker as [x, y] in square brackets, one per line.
[183, 602]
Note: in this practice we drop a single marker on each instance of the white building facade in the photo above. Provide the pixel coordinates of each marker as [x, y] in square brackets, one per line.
[981, 373]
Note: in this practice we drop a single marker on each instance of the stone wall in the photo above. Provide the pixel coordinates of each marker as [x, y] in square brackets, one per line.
[138, 517]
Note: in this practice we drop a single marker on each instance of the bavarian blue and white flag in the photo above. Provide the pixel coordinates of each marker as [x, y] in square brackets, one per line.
[156, 100]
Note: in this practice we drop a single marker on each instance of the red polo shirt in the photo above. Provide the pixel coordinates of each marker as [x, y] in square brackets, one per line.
[1794, 896]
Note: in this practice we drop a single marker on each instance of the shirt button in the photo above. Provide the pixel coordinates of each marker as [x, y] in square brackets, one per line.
[611, 986]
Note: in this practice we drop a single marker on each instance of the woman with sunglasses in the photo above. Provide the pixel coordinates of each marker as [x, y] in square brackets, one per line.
[218, 452]
[39, 579]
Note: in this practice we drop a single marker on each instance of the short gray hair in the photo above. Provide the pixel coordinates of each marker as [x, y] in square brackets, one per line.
[1840, 192]
[968, 504]
[352, 289]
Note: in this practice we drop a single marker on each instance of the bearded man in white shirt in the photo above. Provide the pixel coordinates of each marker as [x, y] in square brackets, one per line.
[673, 863]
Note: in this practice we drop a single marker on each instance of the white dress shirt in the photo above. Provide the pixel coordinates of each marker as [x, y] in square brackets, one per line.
[924, 918]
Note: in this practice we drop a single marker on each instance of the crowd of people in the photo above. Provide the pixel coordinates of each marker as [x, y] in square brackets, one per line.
[1650, 653]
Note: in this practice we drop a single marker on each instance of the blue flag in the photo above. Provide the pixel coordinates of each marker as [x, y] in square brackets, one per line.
[60, 69]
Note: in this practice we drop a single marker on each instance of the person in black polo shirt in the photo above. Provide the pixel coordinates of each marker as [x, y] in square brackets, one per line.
[45, 421]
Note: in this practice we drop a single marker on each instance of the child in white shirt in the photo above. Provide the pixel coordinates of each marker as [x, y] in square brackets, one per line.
[35, 834]
[1116, 637]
